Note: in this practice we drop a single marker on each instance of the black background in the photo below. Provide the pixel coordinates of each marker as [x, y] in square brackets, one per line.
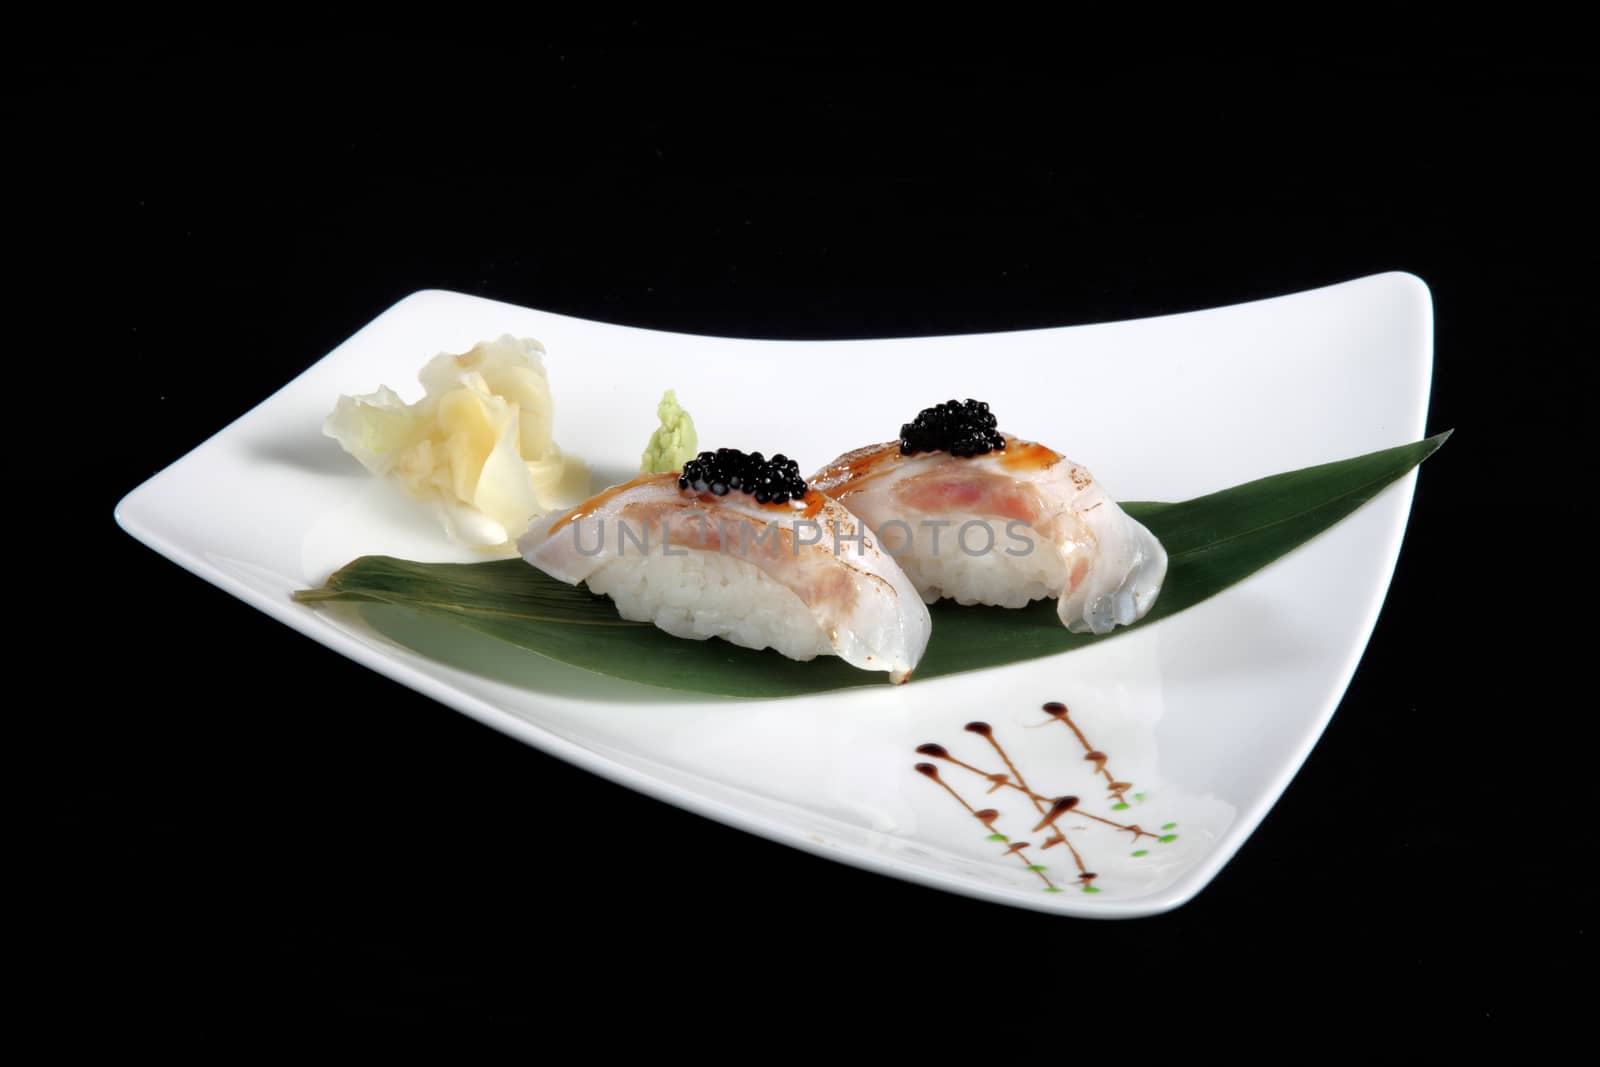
[235, 821]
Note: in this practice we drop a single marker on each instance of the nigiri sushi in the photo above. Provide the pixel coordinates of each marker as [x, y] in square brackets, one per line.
[737, 546]
[983, 517]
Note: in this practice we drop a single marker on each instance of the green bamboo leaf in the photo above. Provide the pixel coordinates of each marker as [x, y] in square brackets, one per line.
[1212, 541]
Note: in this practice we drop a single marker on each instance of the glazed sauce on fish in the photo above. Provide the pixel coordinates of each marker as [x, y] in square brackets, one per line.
[853, 469]
[811, 503]
[604, 497]
[1023, 456]
[805, 508]
[851, 473]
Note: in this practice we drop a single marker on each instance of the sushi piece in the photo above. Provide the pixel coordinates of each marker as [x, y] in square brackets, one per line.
[983, 517]
[737, 546]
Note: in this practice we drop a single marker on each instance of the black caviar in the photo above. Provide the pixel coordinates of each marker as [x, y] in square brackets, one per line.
[961, 429]
[770, 481]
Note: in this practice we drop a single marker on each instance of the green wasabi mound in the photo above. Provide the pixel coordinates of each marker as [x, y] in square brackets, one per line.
[674, 443]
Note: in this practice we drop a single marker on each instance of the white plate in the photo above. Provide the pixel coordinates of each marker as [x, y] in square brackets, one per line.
[1208, 714]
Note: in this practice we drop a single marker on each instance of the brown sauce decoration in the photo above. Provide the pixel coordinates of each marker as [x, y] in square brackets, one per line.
[1061, 806]
[987, 817]
[1050, 809]
[985, 731]
[1059, 711]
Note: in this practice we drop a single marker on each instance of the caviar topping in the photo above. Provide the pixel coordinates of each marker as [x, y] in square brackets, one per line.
[770, 481]
[961, 429]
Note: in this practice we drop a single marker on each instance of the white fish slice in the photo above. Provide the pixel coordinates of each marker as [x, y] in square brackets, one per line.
[1044, 526]
[804, 577]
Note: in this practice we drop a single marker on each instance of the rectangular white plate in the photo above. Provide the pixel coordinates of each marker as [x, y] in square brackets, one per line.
[1208, 714]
